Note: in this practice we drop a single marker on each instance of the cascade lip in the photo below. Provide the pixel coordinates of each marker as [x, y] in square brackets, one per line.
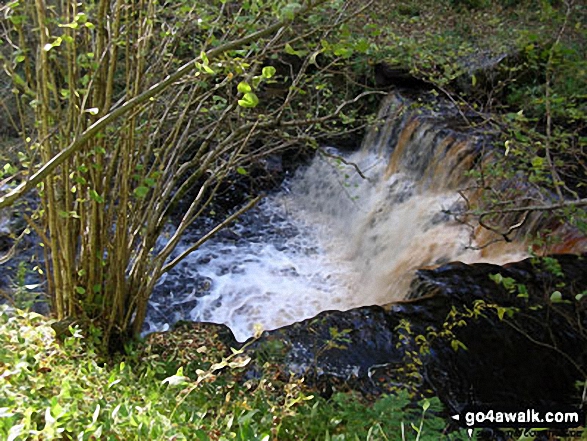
[334, 238]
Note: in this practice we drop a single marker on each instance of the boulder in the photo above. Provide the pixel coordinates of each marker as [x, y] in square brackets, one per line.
[466, 334]
[521, 349]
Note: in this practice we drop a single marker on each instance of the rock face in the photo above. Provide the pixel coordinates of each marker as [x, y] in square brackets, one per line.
[480, 339]
[339, 349]
[526, 350]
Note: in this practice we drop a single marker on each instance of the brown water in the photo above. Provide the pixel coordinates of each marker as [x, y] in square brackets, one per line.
[332, 239]
[395, 221]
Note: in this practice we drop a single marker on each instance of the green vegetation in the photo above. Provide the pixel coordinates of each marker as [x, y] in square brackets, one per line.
[118, 114]
[127, 115]
[191, 390]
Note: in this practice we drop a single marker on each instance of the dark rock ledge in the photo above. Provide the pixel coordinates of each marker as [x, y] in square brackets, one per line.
[460, 335]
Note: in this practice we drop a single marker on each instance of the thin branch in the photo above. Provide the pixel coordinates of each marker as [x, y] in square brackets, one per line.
[210, 234]
[549, 207]
[547, 346]
[553, 172]
[510, 230]
[344, 161]
[144, 97]
[304, 122]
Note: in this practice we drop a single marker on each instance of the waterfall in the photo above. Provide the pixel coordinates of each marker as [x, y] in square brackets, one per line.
[348, 230]
[396, 217]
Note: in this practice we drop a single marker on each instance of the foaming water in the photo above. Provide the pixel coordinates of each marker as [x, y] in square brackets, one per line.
[267, 271]
[386, 228]
[334, 238]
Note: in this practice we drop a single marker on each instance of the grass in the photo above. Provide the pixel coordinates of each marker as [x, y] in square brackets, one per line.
[188, 387]
[438, 40]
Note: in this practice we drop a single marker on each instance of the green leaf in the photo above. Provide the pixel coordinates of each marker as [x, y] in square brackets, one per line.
[522, 290]
[176, 379]
[456, 345]
[208, 69]
[204, 58]
[501, 312]
[268, 72]
[243, 87]
[15, 432]
[73, 25]
[242, 171]
[288, 11]
[96, 197]
[243, 419]
[343, 52]
[80, 290]
[314, 56]
[204, 68]
[362, 45]
[556, 297]
[537, 162]
[141, 192]
[290, 50]
[249, 100]
[96, 414]
[497, 278]
[50, 46]
[16, 19]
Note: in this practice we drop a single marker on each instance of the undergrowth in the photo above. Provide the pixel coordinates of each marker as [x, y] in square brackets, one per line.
[52, 389]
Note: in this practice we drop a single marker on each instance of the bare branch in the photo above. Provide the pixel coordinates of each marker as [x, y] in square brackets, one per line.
[144, 97]
[547, 207]
[547, 101]
[210, 234]
[344, 161]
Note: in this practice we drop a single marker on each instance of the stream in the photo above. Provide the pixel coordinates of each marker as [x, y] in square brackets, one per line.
[334, 238]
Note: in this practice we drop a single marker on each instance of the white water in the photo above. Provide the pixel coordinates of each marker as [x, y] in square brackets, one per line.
[272, 271]
[330, 239]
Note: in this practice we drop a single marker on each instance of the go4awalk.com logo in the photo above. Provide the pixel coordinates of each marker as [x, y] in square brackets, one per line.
[472, 417]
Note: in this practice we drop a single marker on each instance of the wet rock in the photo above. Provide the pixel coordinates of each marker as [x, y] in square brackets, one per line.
[485, 74]
[335, 349]
[5, 242]
[532, 357]
[486, 67]
[387, 75]
[479, 341]
[272, 164]
[19, 252]
[228, 235]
